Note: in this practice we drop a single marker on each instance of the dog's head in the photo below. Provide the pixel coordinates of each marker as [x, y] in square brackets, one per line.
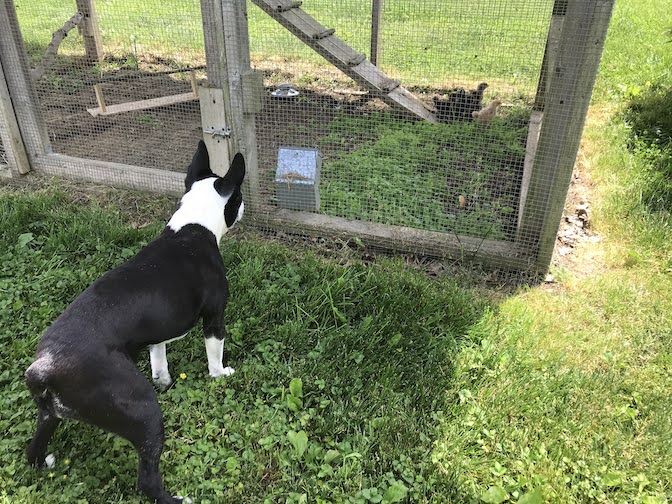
[211, 201]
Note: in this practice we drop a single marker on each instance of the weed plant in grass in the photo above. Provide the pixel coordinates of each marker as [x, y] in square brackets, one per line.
[412, 173]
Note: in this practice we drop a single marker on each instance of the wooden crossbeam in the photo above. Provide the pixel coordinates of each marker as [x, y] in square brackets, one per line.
[105, 110]
[345, 58]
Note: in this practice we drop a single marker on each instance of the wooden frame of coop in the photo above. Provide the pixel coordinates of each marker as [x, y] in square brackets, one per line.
[232, 97]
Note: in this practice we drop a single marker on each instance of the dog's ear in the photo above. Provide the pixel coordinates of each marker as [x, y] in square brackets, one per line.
[234, 177]
[199, 167]
[236, 172]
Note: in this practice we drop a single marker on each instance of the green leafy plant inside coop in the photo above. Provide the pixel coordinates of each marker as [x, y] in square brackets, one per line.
[148, 120]
[415, 173]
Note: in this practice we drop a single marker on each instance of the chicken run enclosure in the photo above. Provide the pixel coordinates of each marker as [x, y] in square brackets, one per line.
[440, 127]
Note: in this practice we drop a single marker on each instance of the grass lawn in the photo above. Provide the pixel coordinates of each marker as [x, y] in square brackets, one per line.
[509, 45]
[378, 382]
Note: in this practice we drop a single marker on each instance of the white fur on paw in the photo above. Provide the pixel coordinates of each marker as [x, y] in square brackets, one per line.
[163, 382]
[227, 371]
[50, 461]
[185, 500]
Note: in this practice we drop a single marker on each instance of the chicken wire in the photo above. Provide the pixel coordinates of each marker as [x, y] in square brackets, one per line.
[459, 176]
[4, 162]
[459, 166]
[150, 49]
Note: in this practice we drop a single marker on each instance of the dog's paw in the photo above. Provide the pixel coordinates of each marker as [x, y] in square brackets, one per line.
[227, 371]
[163, 381]
[182, 500]
[50, 461]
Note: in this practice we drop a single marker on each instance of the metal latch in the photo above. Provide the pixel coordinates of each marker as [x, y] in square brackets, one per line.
[224, 133]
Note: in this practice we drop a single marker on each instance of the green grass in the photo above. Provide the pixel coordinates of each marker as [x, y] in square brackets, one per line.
[507, 46]
[413, 174]
[411, 388]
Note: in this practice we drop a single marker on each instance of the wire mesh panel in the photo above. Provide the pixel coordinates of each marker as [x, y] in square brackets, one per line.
[382, 163]
[121, 86]
[4, 161]
[461, 136]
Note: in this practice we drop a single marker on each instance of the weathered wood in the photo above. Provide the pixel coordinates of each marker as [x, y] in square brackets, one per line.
[566, 103]
[15, 151]
[193, 82]
[356, 60]
[213, 35]
[253, 89]
[376, 30]
[112, 174]
[340, 54]
[324, 34]
[21, 87]
[550, 51]
[52, 49]
[496, 254]
[227, 48]
[100, 98]
[93, 42]
[162, 101]
[288, 5]
[530, 152]
[212, 119]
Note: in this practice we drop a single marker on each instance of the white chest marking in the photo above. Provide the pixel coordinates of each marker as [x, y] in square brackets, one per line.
[201, 205]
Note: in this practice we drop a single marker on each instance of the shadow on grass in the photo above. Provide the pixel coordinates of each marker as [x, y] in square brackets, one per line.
[649, 116]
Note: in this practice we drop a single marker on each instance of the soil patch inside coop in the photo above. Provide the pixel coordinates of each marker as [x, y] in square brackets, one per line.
[378, 165]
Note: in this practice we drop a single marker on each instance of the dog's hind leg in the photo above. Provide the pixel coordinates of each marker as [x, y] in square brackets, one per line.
[118, 398]
[37, 449]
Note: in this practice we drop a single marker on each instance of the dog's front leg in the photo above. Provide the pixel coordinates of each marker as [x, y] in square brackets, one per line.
[159, 363]
[214, 347]
[215, 331]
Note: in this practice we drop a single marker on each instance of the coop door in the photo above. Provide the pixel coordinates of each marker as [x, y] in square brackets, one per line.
[216, 132]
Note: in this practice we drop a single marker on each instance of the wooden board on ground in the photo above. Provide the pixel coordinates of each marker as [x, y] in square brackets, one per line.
[492, 253]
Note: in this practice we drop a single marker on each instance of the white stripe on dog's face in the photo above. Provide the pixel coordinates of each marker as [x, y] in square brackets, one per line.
[202, 205]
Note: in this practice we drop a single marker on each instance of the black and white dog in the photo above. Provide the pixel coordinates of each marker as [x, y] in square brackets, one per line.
[85, 369]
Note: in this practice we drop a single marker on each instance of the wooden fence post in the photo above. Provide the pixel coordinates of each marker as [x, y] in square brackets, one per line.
[17, 158]
[227, 48]
[20, 85]
[89, 30]
[376, 26]
[566, 102]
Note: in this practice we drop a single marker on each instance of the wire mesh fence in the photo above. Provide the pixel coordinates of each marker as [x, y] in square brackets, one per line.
[4, 161]
[459, 176]
[149, 50]
[459, 130]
